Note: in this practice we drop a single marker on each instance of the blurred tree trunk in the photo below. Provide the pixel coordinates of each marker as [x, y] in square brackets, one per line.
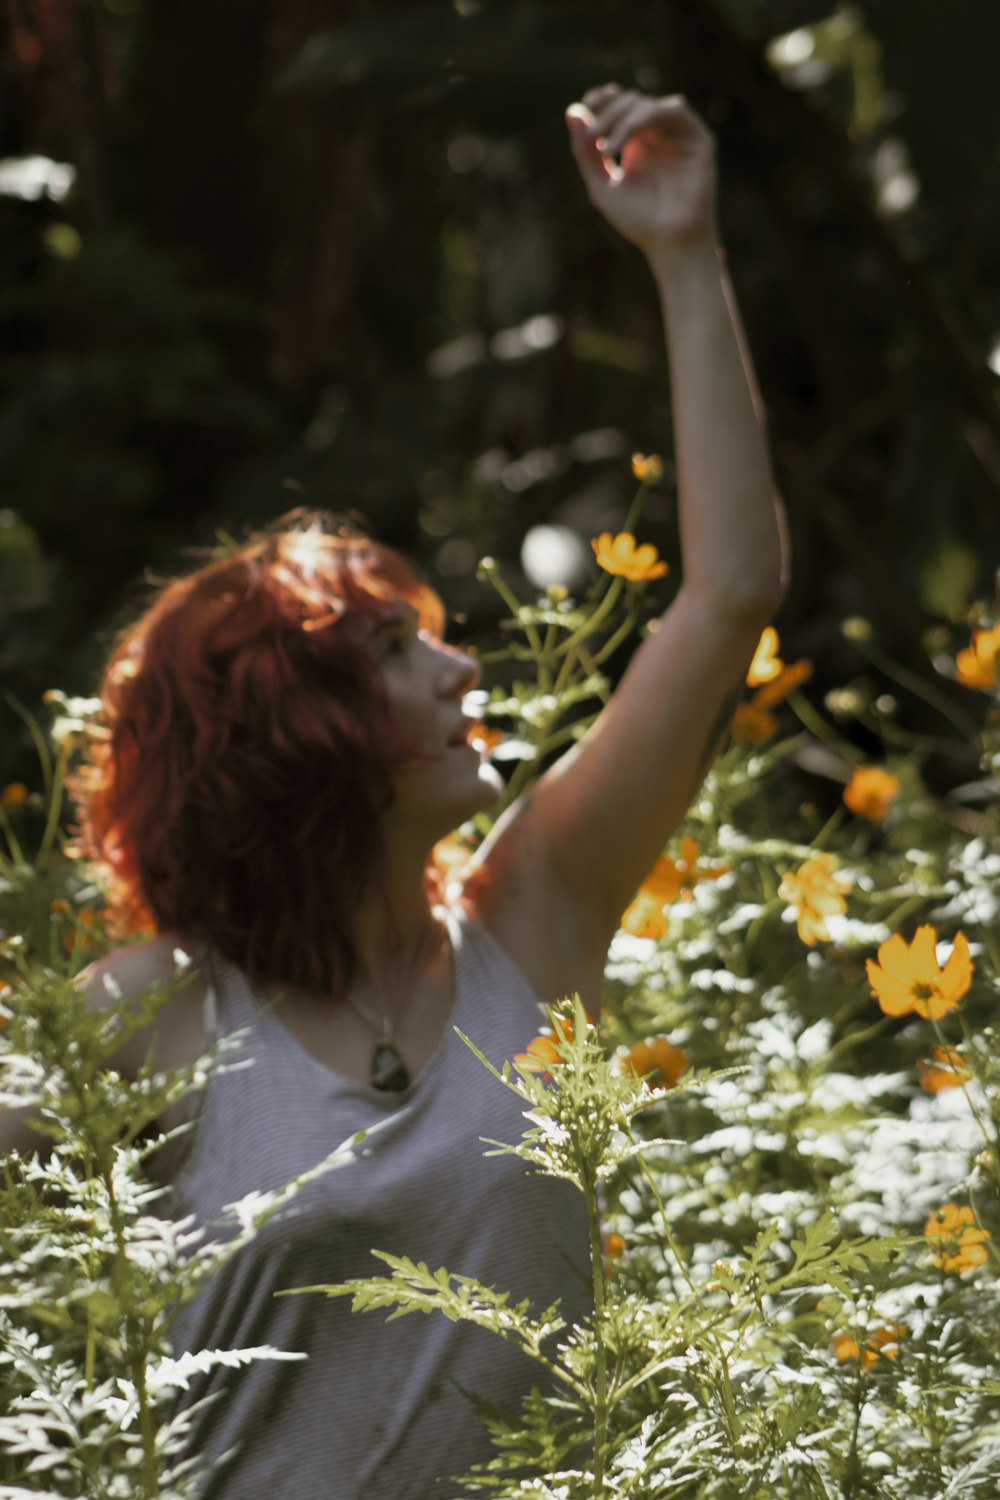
[322, 195]
[267, 197]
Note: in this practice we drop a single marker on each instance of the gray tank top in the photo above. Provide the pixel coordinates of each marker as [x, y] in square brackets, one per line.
[377, 1411]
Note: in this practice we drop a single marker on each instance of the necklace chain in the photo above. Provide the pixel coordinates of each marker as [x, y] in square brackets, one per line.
[388, 1072]
[383, 1026]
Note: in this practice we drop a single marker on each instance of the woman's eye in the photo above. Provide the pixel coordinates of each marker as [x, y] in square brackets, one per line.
[393, 644]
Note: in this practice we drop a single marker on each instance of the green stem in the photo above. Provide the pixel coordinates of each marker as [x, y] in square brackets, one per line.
[596, 620]
[667, 1231]
[830, 827]
[614, 641]
[903, 910]
[966, 726]
[55, 808]
[860, 1401]
[855, 1038]
[513, 603]
[635, 509]
[90, 1354]
[41, 748]
[600, 1348]
[135, 1353]
[807, 715]
[892, 734]
[947, 1050]
[13, 845]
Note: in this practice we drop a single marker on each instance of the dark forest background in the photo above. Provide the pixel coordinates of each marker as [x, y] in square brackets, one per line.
[263, 253]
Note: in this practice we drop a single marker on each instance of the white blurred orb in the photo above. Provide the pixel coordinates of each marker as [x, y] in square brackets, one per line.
[555, 555]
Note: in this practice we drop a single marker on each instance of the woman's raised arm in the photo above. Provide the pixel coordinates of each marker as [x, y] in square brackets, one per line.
[596, 821]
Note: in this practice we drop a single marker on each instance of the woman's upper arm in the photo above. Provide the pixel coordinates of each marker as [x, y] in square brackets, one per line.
[597, 820]
[128, 972]
[175, 1035]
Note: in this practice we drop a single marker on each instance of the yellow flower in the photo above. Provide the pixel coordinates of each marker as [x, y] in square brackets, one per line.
[542, 1054]
[816, 893]
[724, 1280]
[976, 666]
[658, 1061]
[647, 467]
[644, 917]
[15, 795]
[545, 1051]
[766, 663]
[907, 977]
[789, 678]
[484, 738]
[753, 722]
[621, 556]
[963, 1242]
[669, 880]
[753, 725]
[881, 1343]
[947, 1071]
[871, 792]
[451, 855]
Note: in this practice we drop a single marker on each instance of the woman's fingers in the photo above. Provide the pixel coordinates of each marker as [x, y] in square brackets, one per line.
[613, 111]
[619, 114]
[596, 168]
[596, 98]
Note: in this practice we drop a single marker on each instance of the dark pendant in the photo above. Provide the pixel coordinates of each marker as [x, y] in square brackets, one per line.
[389, 1073]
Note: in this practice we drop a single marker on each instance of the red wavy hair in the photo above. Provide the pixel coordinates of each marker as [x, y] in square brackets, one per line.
[247, 751]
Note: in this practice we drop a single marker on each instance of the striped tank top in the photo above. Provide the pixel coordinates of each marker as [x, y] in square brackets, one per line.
[376, 1411]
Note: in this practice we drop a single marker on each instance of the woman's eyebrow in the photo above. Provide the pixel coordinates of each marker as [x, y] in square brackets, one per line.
[400, 617]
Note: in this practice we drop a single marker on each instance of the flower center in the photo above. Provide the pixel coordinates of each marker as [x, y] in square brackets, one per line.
[924, 991]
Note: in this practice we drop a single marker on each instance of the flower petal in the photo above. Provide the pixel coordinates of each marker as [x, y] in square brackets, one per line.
[894, 997]
[894, 960]
[923, 955]
[956, 976]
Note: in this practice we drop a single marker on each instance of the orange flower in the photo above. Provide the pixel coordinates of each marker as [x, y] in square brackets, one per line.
[723, 1280]
[647, 467]
[963, 1242]
[766, 664]
[15, 795]
[60, 907]
[658, 1061]
[907, 977]
[753, 722]
[669, 880]
[881, 1343]
[789, 678]
[614, 1246]
[947, 1071]
[545, 1051]
[815, 892]
[976, 666]
[483, 738]
[621, 556]
[753, 725]
[871, 792]
[645, 918]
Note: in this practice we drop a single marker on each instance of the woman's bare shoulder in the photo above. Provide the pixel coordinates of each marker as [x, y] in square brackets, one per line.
[144, 966]
[175, 1038]
[166, 962]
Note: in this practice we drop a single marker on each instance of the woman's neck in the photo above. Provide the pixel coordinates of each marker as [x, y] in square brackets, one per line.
[398, 937]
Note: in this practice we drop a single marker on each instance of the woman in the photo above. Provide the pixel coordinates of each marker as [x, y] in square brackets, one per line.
[287, 744]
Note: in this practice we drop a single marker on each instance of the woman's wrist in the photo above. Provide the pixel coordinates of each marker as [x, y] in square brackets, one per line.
[673, 261]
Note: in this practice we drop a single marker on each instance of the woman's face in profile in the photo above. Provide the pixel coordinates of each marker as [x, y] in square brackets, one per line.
[425, 681]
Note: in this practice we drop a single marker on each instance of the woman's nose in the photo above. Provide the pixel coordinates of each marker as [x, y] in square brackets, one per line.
[460, 671]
